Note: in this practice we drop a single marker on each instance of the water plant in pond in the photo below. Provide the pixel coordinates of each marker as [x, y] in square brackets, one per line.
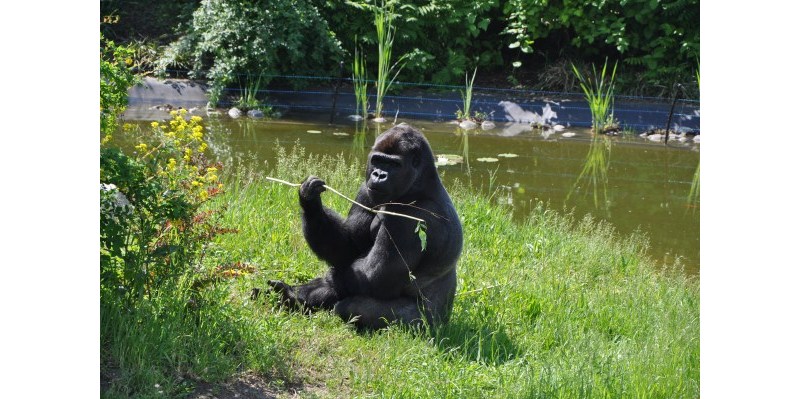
[249, 98]
[386, 30]
[360, 83]
[599, 93]
[465, 116]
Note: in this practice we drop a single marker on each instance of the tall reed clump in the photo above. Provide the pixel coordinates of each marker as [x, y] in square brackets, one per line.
[360, 83]
[599, 93]
[466, 97]
[386, 31]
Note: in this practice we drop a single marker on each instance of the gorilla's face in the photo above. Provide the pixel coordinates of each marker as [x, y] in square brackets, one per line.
[389, 177]
[394, 165]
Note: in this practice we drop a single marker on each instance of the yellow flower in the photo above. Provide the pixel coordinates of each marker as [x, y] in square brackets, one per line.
[173, 113]
[171, 164]
[196, 119]
[154, 124]
[203, 195]
[195, 183]
[141, 147]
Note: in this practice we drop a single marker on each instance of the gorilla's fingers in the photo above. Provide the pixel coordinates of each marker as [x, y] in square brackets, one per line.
[278, 286]
[254, 293]
[311, 188]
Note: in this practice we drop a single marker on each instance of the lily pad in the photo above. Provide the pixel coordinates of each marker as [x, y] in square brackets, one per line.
[507, 155]
[487, 159]
[568, 134]
[448, 159]
[313, 131]
[340, 134]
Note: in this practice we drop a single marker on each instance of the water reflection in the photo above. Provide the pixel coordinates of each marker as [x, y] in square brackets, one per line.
[693, 199]
[594, 175]
[463, 147]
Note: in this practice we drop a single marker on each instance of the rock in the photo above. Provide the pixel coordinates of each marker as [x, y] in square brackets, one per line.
[696, 139]
[355, 117]
[558, 128]
[234, 113]
[467, 125]
[255, 113]
[486, 125]
[655, 137]
[568, 134]
[379, 120]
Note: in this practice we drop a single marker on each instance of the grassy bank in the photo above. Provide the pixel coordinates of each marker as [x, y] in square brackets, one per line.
[549, 308]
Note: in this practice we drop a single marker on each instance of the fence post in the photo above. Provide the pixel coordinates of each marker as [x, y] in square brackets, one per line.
[336, 91]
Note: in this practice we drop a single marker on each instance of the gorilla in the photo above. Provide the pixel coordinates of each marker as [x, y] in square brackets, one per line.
[379, 272]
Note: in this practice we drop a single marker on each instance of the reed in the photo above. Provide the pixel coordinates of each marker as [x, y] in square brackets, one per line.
[599, 93]
[466, 97]
[387, 71]
[360, 83]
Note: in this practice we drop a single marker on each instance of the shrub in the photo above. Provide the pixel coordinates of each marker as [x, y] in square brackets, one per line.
[115, 79]
[152, 227]
[228, 38]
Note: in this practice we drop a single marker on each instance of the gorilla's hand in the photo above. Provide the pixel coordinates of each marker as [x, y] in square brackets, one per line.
[310, 190]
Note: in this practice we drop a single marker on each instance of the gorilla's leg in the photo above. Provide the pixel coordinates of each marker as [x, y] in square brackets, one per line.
[318, 293]
[372, 313]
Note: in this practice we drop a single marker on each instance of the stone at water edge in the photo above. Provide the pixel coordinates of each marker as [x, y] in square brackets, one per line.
[467, 124]
[568, 134]
[558, 128]
[255, 113]
[379, 120]
[486, 125]
[355, 117]
[235, 113]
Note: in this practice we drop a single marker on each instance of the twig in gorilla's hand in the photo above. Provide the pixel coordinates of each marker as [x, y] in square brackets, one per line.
[354, 202]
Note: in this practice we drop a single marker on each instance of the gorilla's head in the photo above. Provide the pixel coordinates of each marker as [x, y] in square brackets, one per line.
[400, 164]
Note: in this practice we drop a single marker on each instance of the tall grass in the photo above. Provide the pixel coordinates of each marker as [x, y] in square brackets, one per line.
[466, 97]
[599, 93]
[551, 307]
[249, 98]
[385, 29]
[360, 83]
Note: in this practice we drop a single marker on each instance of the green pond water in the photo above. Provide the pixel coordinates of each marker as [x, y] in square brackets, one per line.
[639, 186]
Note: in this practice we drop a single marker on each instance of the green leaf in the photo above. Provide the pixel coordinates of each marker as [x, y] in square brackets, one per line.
[422, 234]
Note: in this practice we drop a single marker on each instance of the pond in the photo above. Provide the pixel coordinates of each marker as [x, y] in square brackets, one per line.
[639, 186]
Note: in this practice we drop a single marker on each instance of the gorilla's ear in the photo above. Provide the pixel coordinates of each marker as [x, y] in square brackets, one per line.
[416, 160]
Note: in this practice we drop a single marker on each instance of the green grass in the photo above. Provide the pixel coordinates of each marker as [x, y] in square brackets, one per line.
[552, 307]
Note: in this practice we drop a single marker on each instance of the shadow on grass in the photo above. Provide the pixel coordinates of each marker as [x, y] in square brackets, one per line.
[486, 344]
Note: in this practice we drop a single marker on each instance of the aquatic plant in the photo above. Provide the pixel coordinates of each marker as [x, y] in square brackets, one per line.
[360, 83]
[386, 31]
[599, 93]
[249, 98]
[466, 97]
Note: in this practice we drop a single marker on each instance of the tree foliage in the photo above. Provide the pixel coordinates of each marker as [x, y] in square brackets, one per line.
[229, 37]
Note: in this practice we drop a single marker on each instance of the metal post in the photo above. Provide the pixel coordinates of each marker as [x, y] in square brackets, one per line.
[672, 110]
[336, 91]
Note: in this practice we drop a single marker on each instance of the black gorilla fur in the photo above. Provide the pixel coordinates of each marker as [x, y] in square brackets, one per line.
[378, 271]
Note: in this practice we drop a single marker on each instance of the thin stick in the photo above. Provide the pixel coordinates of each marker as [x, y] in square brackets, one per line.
[345, 197]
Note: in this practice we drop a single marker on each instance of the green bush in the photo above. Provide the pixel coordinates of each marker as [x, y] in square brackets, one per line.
[115, 79]
[660, 39]
[230, 38]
